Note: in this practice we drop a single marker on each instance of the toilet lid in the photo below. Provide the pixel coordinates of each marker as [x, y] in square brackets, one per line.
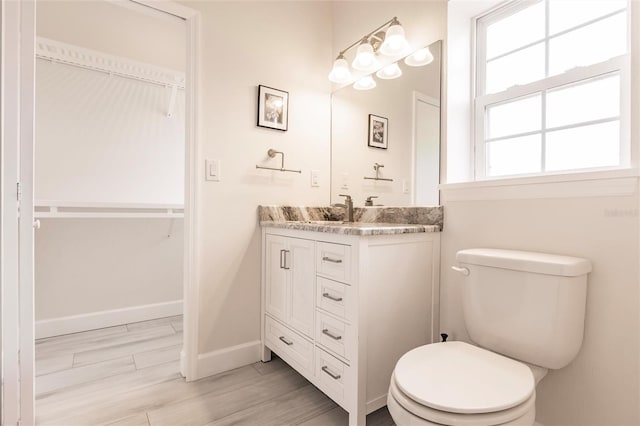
[461, 378]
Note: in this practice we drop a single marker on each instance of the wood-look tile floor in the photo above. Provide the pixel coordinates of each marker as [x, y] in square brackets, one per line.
[129, 376]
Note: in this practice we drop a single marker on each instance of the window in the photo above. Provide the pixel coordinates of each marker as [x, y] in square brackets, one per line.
[552, 88]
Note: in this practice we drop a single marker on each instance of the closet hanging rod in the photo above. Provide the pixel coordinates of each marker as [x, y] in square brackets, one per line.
[180, 86]
[272, 153]
[98, 210]
[106, 205]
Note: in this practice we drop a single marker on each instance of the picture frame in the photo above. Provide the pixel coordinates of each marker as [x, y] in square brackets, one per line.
[378, 132]
[273, 108]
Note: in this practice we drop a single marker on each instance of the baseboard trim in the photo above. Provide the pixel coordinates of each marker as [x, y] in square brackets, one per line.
[226, 359]
[94, 320]
[376, 403]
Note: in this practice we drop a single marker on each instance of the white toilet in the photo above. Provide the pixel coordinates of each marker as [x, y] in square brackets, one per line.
[525, 311]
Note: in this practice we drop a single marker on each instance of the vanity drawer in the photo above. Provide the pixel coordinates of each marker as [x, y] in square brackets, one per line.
[289, 345]
[334, 335]
[332, 376]
[335, 297]
[334, 261]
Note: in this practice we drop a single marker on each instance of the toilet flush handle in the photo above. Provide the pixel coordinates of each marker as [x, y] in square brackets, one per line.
[463, 271]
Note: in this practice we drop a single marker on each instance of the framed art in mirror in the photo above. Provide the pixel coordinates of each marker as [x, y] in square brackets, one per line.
[378, 132]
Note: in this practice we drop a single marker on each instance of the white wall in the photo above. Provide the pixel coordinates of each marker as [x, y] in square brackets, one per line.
[595, 219]
[285, 45]
[98, 139]
[350, 154]
[91, 265]
[105, 26]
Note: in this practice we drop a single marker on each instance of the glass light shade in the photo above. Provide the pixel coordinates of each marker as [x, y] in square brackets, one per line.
[340, 72]
[419, 58]
[394, 42]
[365, 83]
[365, 59]
[389, 72]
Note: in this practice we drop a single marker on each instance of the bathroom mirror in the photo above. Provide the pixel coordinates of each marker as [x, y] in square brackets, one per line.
[405, 118]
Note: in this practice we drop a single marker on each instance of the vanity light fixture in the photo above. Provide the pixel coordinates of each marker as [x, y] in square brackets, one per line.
[365, 83]
[340, 72]
[365, 59]
[394, 42]
[388, 39]
[419, 58]
[389, 72]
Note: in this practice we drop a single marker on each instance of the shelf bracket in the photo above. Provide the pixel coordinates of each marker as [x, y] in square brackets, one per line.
[172, 101]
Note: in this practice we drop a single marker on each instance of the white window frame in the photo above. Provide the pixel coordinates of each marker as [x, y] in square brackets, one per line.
[620, 65]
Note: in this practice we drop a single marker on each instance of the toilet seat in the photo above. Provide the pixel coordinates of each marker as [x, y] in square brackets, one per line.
[522, 414]
[456, 383]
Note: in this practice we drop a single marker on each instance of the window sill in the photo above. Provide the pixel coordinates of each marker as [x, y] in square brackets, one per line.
[609, 183]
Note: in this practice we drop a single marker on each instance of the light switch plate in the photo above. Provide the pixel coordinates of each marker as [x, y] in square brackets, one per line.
[405, 186]
[345, 181]
[315, 179]
[212, 170]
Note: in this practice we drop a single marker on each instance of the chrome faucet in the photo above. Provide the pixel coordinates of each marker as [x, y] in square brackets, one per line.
[369, 201]
[348, 207]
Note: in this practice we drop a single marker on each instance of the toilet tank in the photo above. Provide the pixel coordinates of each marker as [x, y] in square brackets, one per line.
[525, 305]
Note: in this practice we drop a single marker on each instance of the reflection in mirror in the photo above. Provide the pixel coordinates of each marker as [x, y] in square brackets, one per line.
[405, 117]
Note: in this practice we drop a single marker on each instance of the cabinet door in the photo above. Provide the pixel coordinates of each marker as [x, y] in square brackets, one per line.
[301, 264]
[276, 277]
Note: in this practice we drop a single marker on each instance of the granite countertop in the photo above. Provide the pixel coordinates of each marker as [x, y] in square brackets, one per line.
[353, 228]
[368, 220]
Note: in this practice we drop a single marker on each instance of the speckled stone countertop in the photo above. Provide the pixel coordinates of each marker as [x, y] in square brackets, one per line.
[367, 220]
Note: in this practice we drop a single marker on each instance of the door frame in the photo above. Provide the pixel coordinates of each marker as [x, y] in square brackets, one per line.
[421, 97]
[189, 354]
[17, 75]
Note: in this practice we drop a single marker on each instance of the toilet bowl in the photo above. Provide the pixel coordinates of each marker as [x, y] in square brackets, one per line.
[456, 383]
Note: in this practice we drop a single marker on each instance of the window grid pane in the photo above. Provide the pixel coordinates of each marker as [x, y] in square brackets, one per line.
[589, 136]
[516, 156]
[559, 54]
[580, 122]
[517, 30]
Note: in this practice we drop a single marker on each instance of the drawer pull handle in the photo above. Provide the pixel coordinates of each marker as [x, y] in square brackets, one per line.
[333, 376]
[335, 299]
[285, 341]
[332, 260]
[330, 334]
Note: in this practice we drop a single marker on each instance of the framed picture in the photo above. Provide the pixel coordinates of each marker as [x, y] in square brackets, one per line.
[273, 108]
[378, 131]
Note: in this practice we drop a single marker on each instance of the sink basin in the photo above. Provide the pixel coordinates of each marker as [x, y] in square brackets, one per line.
[325, 222]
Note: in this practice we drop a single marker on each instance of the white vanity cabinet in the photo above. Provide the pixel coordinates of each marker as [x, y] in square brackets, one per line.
[289, 281]
[342, 309]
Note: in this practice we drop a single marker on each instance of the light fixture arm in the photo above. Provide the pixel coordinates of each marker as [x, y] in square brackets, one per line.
[368, 35]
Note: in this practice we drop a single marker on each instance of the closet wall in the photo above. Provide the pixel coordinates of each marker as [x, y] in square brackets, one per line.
[106, 140]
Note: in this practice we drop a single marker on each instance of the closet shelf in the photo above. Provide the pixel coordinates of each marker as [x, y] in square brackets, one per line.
[79, 210]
